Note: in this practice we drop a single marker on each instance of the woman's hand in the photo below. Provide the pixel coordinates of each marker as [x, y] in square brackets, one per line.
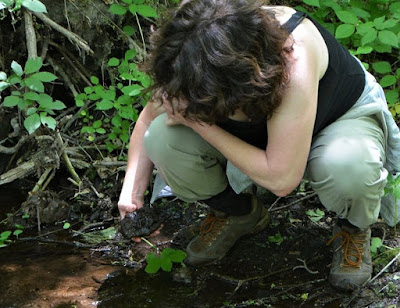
[174, 108]
[129, 205]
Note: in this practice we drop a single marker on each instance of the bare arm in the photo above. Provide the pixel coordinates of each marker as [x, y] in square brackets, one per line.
[139, 166]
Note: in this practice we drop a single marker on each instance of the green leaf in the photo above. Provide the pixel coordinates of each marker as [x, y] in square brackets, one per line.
[389, 38]
[48, 121]
[104, 105]
[166, 264]
[390, 23]
[364, 50]
[378, 22]
[34, 6]
[11, 101]
[126, 112]
[116, 121]
[153, 263]
[17, 69]
[58, 105]
[127, 1]
[31, 110]
[128, 30]
[97, 124]
[312, 2]
[94, 80]
[347, 17]
[33, 65]
[79, 103]
[369, 37]
[100, 130]
[5, 235]
[34, 84]
[66, 225]
[33, 96]
[113, 62]
[388, 81]
[177, 256]
[132, 90]
[32, 123]
[45, 76]
[392, 96]
[376, 242]
[3, 76]
[146, 11]
[382, 67]
[130, 54]
[17, 232]
[3, 85]
[118, 9]
[344, 31]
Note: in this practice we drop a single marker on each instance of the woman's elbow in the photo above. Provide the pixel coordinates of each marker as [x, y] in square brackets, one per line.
[285, 186]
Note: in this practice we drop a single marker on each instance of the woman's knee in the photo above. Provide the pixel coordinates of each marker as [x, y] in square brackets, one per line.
[352, 165]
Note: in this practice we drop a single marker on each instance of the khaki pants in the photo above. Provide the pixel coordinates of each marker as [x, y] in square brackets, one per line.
[345, 166]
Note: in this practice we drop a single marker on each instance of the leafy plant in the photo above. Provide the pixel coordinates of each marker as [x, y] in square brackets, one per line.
[164, 261]
[15, 5]
[370, 30]
[118, 103]
[376, 245]
[5, 236]
[315, 215]
[393, 187]
[277, 239]
[28, 94]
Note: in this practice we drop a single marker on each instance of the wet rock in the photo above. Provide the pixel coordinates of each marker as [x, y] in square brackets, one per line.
[140, 223]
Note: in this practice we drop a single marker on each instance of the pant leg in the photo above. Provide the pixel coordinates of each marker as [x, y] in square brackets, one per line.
[345, 168]
[188, 164]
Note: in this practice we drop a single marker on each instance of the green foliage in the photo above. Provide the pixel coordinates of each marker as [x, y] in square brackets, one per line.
[393, 187]
[28, 94]
[315, 215]
[118, 103]
[135, 8]
[5, 236]
[371, 31]
[164, 261]
[15, 5]
[277, 239]
[376, 246]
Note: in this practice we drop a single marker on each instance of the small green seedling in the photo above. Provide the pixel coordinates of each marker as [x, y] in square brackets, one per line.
[376, 244]
[277, 239]
[315, 215]
[164, 260]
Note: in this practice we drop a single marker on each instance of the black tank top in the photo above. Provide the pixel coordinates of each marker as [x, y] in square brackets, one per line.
[339, 88]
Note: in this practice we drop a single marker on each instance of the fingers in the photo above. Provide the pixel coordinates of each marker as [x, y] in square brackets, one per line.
[126, 208]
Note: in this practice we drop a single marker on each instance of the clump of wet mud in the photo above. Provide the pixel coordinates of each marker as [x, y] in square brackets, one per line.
[142, 222]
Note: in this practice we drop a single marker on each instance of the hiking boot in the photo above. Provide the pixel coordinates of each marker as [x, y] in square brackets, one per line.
[219, 232]
[351, 265]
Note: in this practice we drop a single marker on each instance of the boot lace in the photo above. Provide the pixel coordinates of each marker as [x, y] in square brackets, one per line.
[353, 245]
[210, 228]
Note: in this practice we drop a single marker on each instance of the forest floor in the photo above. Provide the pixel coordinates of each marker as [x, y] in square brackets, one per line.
[285, 265]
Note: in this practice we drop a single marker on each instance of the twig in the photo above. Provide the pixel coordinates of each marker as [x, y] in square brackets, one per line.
[80, 42]
[30, 35]
[305, 267]
[45, 240]
[293, 203]
[68, 163]
[38, 219]
[63, 75]
[273, 204]
[15, 148]
[384, 269]
[39, 183]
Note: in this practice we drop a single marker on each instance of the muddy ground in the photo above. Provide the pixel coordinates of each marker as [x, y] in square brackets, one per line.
[285, 265]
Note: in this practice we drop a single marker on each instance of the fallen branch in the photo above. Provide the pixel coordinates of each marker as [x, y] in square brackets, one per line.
[15, 148]
[80, 42]
[293, 203]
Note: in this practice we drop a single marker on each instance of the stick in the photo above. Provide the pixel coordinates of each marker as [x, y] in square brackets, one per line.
[80, 42]
[293, 203]
[68, 163]
[30, 35]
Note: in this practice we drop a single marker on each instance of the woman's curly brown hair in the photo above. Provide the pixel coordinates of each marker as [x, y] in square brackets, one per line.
[221, 55]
